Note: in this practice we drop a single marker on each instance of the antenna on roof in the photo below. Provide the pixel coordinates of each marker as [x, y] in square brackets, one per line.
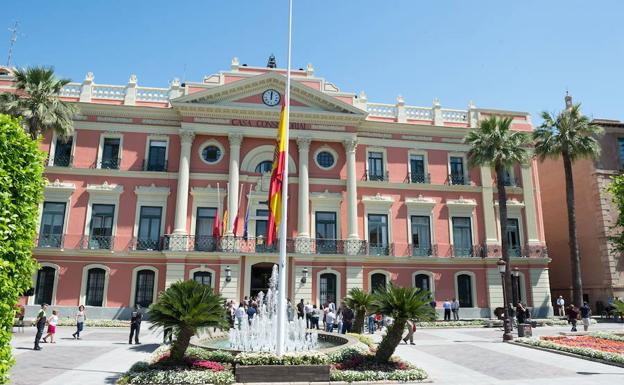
[13, 40]
[272, 63]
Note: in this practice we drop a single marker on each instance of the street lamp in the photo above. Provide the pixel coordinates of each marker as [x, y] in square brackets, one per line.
[304, 276]
[507, 336]
[228, 274]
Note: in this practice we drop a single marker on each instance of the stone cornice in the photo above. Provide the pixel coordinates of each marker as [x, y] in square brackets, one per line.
[105, 189]
[152, 190]
[325, 196]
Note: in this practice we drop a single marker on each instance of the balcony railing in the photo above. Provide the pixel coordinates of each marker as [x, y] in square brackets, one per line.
[469, 251]
[418, 177]
[146, 244]
[380, 249]
[423, 251]
[52, 241]
[61, 160]
[371, 176]
[458, 180]
[97, 242]
[147, 166]
[110, 164]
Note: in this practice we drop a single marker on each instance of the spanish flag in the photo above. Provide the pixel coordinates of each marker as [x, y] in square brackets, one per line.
[277, 178]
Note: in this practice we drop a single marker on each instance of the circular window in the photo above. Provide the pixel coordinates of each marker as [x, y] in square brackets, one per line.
[211, 154]
[325, 159]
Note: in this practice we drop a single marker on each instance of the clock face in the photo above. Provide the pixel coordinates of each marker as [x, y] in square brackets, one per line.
[271, 97]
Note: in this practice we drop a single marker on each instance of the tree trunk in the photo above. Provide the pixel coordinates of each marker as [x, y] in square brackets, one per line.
[181, 343]
[575, 255]
[358, 324]
[33, 128]
[502, 217]
[388, 344]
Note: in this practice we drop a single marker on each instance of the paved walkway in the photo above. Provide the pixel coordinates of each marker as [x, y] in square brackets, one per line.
[450, 356]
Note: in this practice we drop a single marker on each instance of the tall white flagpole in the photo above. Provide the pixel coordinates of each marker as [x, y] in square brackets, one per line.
[281, 299]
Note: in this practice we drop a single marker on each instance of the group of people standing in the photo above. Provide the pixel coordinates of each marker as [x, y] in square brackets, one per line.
[339, 319]
[43, 319]
[574, 313]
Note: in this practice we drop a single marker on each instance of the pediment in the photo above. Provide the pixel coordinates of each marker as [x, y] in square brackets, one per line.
[246, 94]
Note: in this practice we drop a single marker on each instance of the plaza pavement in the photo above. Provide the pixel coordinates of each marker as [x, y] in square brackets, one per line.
[462, 356]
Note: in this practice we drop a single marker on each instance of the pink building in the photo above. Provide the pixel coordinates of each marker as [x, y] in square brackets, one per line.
[379, 193]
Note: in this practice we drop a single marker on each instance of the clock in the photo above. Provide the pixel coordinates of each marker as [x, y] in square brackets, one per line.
[271, 97]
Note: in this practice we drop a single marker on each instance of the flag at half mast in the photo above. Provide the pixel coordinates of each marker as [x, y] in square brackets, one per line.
[277, 178]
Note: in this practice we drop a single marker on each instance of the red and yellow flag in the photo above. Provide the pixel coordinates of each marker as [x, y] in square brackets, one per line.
[277, 178]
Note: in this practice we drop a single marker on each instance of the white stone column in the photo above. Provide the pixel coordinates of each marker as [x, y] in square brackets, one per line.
[86, 90]
[186, 141]
[235, 143]
[487, 194]
[303, 228]
[352, 228]
[529, 205]
[131, 91]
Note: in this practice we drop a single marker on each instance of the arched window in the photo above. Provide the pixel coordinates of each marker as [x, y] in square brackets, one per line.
[422, 281]
[328, 288]
[203, 277]
[378, 281]
[464, 290]
[45, 285]
[144, 290]
[264, 166]
[96, 279]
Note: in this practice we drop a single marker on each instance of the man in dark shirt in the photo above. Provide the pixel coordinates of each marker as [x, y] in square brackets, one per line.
[586, 315]
[135, 324]
[40, 323]
[300, 307]
[573, 313]
[347, 320]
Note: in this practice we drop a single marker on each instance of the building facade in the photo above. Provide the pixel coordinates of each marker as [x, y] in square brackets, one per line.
[378, 193]
[602, 268]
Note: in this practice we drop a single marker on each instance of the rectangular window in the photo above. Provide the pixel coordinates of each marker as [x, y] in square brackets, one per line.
[204, 228]
[157, 158]
[62, 152]
[513, 237]
[96, 279]
[262, 230]
[378, 234]
[52, 221]
[325, 227]
[375, 166]
[110, 153]
[421, 236]
[457, 170]
[149, 228]
[102, 217]
[621, 144]
[462, 237]
[507, 179]
[417, 169]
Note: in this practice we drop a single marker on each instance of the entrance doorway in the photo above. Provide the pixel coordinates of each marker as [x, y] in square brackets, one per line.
[260, 276]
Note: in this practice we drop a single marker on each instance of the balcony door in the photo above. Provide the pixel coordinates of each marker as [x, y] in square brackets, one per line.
[375, 166]
[325, 232]
[52, 221]
[513, 237]
[462, 237]
[421, 236]
[204, 227]
[110, 153]
[417, 169]
[157, 158]
[457, 170]
[149, 228]
[102, 217]
[378, 234]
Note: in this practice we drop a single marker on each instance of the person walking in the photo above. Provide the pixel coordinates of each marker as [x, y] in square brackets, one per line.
[307, 310]
[40, 323]
[52, 321]
[586, 315]
[573, 314]
[330, 318]
[81, 317]
[251, 312]
[315, 315]
[347, 320]
[135, 325]
[447, 310]
[239, 314]
[411, 328]
[520, 314]
[561, 306]
[300, 308]
[455, 309]
[371, 323]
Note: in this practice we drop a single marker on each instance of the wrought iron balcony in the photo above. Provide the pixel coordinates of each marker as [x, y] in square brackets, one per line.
[52, 241]
[147, 166]
[379, 177]
[109, 164]
[423, 251]
[469, 251]
[458, 180]
[380, 249]
[418, 177]
[146, 244]
[97, 242]
[61, 160]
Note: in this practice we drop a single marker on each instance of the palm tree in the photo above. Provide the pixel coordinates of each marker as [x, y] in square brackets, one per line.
[186, 306]
[571, 136]
[360, 301]
[494, 144]
[37, 102]
[402, 304]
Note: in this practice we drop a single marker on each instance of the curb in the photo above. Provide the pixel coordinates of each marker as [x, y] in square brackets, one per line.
[598, 360]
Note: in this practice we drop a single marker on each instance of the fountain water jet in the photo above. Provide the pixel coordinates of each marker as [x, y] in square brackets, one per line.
[261, 334]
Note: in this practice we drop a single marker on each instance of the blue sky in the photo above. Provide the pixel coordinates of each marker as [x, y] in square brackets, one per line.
[519, 55]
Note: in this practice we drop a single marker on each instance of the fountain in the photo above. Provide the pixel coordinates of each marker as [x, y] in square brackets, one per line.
[260, 335]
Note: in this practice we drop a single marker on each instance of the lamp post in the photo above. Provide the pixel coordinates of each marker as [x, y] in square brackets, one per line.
[515, 285]
[304, 276]
[507, 336]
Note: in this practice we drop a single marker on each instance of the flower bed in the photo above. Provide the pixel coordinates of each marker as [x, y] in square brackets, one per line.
[609, 349]
[94, 323]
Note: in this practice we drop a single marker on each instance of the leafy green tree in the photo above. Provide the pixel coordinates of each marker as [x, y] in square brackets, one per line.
[402, 304]
[186, 306]
[495, 145]
[360, 301]
[37, 102]
[571, 136]
[21, 191]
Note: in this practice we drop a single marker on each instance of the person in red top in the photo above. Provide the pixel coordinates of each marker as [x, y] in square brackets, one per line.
[573, 314]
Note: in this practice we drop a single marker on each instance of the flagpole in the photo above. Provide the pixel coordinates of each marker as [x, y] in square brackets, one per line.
[281, 299]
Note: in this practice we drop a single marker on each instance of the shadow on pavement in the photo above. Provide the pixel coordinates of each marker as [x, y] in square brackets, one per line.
[594, 373]
[144, 347]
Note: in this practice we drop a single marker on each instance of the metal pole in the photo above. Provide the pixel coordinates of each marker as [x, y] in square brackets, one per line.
[507, 336]
[281, 299]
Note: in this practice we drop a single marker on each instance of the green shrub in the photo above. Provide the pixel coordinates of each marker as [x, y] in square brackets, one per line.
[266, 358]
[210, 355]
[177, 377]
[347, 353]
[374, 375]
[21, 191]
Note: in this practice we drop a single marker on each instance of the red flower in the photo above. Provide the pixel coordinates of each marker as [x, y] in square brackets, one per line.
[210, 365]
[588, 342]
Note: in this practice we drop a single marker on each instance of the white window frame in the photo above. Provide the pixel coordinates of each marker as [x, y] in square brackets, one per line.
[325, 202]
[135, 272]
[462, 208]
[338, 285]
[464, 163]
[211, 142]
[109, 135]
[431, 279]
[162, 138]
[325, 148]
[378, 204]
[204, 269]
[384, 151]
[83, 284]
[254, 199]
[206, 197]
[57, 192]
[370, 278]
[514, 211]
[420, 206]
[473, 287]
[105, 194]
[52, 151]
[57, 270]
[425, 156]
[151, 196]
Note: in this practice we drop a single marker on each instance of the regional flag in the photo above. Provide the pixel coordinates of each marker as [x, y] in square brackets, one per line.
[277, 178]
